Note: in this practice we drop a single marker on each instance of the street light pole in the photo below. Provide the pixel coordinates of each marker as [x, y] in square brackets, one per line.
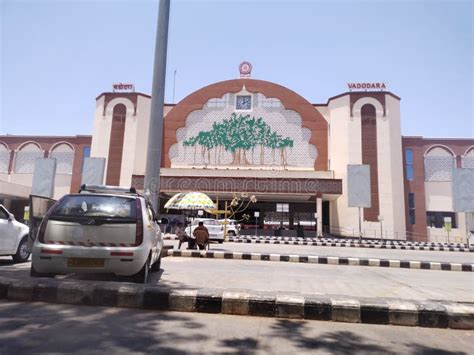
[155, 131]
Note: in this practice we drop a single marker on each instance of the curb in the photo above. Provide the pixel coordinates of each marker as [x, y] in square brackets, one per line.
[331, 260]
[353, 241]
[248, 303]
[348, 244]
[356, 241]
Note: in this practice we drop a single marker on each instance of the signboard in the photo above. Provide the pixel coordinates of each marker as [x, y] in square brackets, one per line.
[93, 171]
[283, 207]
[463, 190]
[358, 186]
[447, 224]
[123, 87]
[43, 177]
[366, 86]
[256, 214]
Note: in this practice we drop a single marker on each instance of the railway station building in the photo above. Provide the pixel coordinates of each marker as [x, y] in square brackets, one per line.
[255, 137]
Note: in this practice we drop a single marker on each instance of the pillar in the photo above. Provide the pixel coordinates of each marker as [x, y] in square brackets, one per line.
[319, 210]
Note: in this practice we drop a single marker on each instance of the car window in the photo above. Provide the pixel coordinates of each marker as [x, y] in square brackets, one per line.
[212, 222]
[3, 214]
[96, 206]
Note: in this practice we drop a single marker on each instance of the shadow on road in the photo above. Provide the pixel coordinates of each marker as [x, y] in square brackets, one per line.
[340, 342]
[39, 327]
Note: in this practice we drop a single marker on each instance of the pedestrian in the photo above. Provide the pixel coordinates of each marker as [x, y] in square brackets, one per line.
[201, 233]
[299, 231]
[181, 234]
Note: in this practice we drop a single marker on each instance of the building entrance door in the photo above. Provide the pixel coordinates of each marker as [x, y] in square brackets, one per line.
[326, 217]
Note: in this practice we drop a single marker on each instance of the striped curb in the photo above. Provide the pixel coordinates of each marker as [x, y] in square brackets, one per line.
[356, 241]
[446, 246]
[429, 314]
[331, 260]
[347, 244]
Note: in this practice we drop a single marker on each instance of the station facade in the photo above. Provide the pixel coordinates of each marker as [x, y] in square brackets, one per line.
[255, 137]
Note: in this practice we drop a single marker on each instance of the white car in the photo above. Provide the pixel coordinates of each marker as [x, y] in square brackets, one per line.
[13, 237]
[215, 228]
[233, 227]
[103, 229]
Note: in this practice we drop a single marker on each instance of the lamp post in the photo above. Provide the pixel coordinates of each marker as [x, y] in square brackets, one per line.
[155, 131]
[256, 214]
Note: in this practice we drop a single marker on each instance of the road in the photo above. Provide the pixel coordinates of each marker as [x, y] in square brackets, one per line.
[39, 327]
[355, 281]
[446, 256]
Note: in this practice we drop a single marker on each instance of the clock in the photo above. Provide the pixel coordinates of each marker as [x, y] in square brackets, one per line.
[243, 102]
[245, 69]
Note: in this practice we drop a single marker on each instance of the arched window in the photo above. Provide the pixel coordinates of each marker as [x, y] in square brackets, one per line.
[26, 157]
[409, 164]
[468, 159]
[64, 155]
[439, 164]
[4, 158]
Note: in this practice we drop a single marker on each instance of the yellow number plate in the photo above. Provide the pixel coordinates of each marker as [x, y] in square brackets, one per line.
[85, 262]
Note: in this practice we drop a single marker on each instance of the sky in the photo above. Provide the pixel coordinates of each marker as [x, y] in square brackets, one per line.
[56, 56]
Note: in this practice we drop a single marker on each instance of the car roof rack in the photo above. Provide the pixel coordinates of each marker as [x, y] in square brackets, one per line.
[108, 189]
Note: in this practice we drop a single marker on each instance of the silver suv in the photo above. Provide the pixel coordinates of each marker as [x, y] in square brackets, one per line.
[102, 229]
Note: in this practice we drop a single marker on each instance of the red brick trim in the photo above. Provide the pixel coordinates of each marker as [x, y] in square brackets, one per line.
[132, 96]
[369, 156]
[312, 118]
[379, 96]
[117, 132]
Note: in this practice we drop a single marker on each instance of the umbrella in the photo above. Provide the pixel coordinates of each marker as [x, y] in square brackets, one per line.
[190, 201]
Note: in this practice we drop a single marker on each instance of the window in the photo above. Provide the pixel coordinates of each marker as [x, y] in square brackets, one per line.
[409, 164]
[411, 208]
[436, 219]
[26, 158]
[304, 218]
[64, 155]
[91, 206]
[275, 218]
[86, 153]
[439, 164]
[243, 102]
[4, 158]
[468, 159]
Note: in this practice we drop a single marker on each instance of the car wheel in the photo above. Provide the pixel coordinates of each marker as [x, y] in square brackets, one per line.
[221, 241]
[22, 255]
[141, 277]
[157, 265]
[34, 273]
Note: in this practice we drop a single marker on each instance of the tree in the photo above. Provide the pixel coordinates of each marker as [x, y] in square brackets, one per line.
[237, 135]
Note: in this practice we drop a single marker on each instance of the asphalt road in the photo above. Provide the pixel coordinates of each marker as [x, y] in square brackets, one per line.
[39, 327]
[356, 281]
[446, 256]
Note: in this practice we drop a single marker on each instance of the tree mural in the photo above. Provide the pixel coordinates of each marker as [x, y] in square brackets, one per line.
[238, 135]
